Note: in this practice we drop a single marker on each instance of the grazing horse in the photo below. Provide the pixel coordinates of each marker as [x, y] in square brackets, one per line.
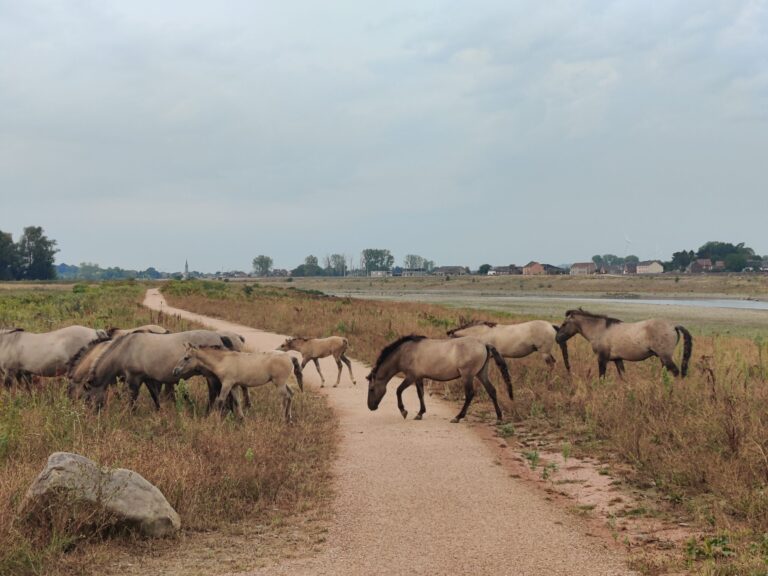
[616, 341]
[149, 359]
[314, 348]
[244, 369]
[24, 354]
[419, 357]
[516, 340]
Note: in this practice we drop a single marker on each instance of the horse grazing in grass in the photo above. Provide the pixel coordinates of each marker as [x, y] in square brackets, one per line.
[149, 359]
[615, 341]
[314, 348]
[24, 354]
[244, 369]
[516, 340]
[419, 357]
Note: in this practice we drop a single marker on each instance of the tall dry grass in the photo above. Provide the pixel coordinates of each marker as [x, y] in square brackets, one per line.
[702, 441]
[212, 472]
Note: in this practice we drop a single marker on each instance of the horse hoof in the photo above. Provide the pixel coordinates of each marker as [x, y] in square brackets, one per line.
[417, 417]
[455, 421]
[335, 385]
[404, 413]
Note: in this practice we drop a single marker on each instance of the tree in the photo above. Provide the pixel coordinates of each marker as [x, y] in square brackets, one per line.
[413, 261]
[338, 264]
[719, 250]
[311, 260]
[9, 260]
[262, 265]
[735, 262]
[631, 258]
[36, 254]
[376, 259]
[598, 260]
[680, 260]
[483, 270]
[307, 270]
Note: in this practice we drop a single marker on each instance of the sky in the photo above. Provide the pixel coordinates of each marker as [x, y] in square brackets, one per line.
[146, 133]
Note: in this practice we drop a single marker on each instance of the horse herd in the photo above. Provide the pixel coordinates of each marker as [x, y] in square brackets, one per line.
[150, 355]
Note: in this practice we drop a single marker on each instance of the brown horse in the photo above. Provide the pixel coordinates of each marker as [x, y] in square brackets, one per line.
[314, 348]
[516, 340]
[244, 369]
[616, 341]
[419, 357]
[149, 359]
[24, 354]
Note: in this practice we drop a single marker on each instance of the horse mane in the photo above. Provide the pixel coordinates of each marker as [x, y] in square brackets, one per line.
[6, 331]
[75, 360]
[111, 331]
[582, 312]
[109, 351]
[470, 324]
[390, 348]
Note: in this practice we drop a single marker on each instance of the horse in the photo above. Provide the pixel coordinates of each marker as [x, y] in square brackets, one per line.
[149, 359]
[616, 341]
[314, 348]
[419, 357]
[24, 354]
[517, 340]
[244, 369]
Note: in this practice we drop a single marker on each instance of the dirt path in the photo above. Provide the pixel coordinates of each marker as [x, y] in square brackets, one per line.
[428, 497]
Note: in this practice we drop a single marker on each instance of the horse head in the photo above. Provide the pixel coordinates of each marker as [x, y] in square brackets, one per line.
[188, 360]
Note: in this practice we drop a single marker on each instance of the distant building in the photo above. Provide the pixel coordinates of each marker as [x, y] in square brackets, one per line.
[650, 267]
[533, 269]
[450, 271]
[583, 268]
[505, 270]
[380, 273]
[413, 272]
[699, 266]
[553, 270]
[630, 268]
[185, 276]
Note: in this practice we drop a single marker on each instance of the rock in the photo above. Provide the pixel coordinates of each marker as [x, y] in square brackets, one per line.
[70, 482]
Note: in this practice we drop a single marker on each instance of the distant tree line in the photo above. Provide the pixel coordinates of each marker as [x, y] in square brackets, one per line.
[735, 257]
[609, 260]
[91, 271]
[31, 258]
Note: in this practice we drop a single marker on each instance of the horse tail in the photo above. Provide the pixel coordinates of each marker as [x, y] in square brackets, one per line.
[687, 349]
[297, 373]
[502, 368]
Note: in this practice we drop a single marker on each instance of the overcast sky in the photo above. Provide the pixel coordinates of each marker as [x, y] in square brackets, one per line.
[143, 133]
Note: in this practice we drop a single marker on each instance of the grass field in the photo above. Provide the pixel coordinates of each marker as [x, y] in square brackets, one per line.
[702, 442]
[213, 473]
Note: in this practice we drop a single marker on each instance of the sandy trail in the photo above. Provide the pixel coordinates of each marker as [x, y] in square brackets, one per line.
[427, 497]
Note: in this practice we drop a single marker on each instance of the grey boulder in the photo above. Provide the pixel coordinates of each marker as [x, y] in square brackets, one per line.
[123, 496]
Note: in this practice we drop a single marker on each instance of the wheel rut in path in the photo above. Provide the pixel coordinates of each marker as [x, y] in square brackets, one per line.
[427, 497]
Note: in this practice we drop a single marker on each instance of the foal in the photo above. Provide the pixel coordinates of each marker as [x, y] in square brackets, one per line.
[314, 348]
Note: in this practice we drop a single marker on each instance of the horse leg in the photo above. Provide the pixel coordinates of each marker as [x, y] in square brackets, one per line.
[602, 364]
[349, 366]
[469, 393]
[338, 365]
[154, 389]
[620, 367]
[134, 386]
[550, 361]
[214, 387]
[246, 396]
[403, 385]
[317, 365]
[226, 388]
[287, 394]
[234, 397]
[420, 392]
[488, 385]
